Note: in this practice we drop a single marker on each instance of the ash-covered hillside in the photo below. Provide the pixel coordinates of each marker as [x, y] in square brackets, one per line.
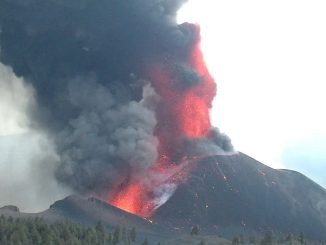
[237, 193]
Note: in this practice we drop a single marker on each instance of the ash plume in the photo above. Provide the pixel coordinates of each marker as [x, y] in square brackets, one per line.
[106, 140]
[121, 88]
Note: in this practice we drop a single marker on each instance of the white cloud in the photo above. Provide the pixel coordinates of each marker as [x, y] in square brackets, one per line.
[15, 98]
[27, 166]
[28, 160]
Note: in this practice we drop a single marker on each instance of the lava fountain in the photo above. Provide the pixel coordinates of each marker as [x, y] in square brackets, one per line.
[183, 113]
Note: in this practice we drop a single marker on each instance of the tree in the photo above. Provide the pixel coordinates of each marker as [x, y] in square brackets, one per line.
[241, 239]
[35, 236]
[194, 230]
[15, 238]
[100, 232]
[116, 236]
[252, 240]
[36, 231]
[99, 227]
[235, 241]
[202, 242]
[145, 242]
[124, 235]
[109, 239]
[301, 238]
[289, 238]
[268, 238]
[133, 234]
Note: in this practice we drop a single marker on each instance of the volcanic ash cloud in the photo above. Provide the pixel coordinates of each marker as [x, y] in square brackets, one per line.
[122, 90]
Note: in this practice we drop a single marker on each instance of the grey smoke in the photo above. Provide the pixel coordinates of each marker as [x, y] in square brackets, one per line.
[221, 140]
[215, 143]
[186, 74]
[87, 61]
[106, 141]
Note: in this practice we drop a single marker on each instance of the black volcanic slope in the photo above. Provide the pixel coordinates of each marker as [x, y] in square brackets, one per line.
[87, 211]
[225, 195]
[239, 192]
[90, 210]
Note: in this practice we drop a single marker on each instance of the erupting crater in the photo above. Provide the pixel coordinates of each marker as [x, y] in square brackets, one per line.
[183, 113]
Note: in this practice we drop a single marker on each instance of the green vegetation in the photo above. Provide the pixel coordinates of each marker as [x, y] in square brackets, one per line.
[35, 231]
[194, 230]
[202, 242]
[133, 234]
[145, 242]
[269, 238]
[235, 241]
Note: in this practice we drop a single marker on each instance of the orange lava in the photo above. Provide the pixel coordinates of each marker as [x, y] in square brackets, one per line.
[185, 113]
[130, 199]
[182, 114]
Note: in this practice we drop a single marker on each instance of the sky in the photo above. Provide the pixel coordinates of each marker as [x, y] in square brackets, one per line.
[269, 62]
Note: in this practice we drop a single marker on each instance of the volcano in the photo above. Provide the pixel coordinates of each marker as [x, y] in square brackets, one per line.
[123, 93]
[224, 194]
[237, 194]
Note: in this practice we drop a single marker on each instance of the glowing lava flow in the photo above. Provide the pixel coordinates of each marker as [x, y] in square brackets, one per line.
[130, 199]
[182, 114]
[143, 197]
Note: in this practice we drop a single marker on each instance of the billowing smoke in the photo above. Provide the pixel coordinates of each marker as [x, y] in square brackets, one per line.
[122, 90]
[106, 140]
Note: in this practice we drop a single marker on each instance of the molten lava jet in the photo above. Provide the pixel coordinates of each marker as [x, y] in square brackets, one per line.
[131, 199]
[183, 113]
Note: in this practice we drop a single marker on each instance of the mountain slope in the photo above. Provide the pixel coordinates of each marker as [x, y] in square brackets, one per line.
[87, 211]
[242, 194]
[224, 195]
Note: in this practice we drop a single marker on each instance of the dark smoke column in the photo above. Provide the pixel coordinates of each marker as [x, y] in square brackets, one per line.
[122, 90]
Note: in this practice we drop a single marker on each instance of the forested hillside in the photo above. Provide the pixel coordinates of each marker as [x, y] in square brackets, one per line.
[36, 231]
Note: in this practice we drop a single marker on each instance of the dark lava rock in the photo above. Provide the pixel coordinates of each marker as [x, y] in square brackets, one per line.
[240, 193]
